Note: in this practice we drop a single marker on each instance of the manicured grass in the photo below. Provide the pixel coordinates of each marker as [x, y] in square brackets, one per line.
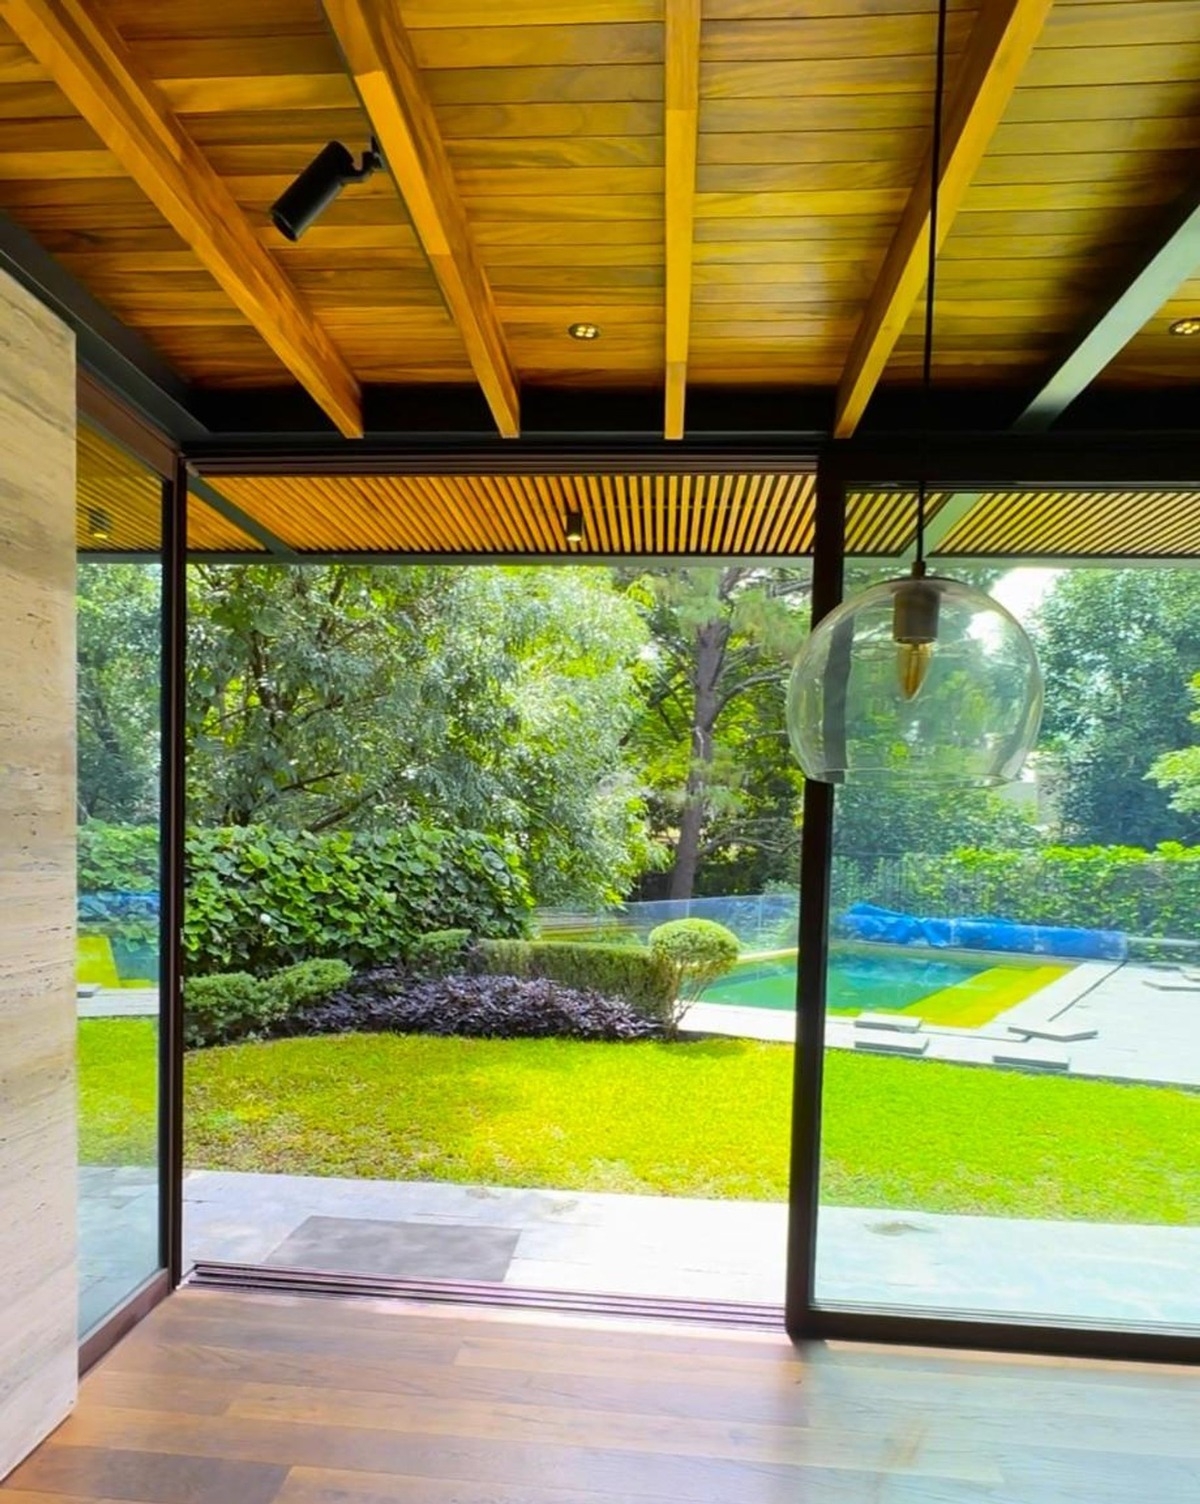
[118, 1091]
[702, 1119]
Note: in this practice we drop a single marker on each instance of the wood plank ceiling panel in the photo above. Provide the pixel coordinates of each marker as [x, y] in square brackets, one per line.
[1156, 357]
[84, 54]
[1099, 138]
[260, 89]
[381, 57]
[813, 120]
[554, 126]
[747, 515]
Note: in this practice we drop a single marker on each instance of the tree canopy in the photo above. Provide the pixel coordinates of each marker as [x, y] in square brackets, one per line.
[360, 696]
[1118, 648]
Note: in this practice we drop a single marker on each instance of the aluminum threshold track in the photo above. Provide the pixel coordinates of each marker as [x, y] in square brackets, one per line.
[735, 1315]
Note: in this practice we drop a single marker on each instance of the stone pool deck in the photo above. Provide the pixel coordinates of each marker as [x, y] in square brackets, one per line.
[718, 1250]
[1144, 1024]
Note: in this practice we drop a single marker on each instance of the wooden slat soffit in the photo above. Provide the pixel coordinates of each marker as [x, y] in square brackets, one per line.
[380, 58]
[1000, 43]
[87, 59]
[686, 515]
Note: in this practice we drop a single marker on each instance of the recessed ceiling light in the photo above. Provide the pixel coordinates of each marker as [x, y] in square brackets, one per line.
[573, 526]
[1185, 326]
[99, 526]
[584, 331]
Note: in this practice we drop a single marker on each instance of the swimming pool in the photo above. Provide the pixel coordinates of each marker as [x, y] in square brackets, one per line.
[952, 989]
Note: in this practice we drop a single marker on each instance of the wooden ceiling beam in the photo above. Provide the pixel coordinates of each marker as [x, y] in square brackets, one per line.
[1168, 264]
[999, 46]
[90, 63]
[681, 124]
[381, 61]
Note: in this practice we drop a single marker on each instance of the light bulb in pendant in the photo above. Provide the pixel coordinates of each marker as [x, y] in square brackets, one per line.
[914, 631]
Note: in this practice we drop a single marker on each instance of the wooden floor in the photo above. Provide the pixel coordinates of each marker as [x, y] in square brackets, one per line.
[250, 1399]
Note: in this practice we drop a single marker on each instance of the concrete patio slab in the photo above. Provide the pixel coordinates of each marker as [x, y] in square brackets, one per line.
[734, 1250]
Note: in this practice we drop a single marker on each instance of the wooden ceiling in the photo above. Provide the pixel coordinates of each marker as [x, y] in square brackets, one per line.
[735, 198]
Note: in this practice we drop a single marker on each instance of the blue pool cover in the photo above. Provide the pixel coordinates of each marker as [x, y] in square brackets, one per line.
[867, 921]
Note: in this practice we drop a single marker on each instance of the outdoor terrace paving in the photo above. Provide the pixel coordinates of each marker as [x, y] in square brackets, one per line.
[694, 1249]
[1145, 1021]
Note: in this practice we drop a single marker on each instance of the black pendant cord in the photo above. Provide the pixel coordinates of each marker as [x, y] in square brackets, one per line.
[935, 178]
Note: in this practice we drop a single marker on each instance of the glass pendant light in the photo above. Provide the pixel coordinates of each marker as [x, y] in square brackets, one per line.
[921, 679]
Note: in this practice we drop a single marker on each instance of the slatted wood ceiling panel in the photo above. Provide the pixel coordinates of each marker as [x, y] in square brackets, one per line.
[884, 522]
[121, 499]
[623, 514]
[1100, 135]
[1084, 524]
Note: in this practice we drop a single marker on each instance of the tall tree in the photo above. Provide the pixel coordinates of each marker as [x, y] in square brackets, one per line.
[1117, 649]
[712, 735]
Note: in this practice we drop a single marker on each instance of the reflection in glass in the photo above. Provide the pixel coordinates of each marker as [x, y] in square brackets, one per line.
[119, 611]
[1010, 1105]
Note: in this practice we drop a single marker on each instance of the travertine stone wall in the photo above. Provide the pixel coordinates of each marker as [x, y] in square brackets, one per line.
[37, 872]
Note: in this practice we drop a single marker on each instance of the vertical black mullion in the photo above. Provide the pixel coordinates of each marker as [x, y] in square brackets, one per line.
[174, 627]
[816, 857]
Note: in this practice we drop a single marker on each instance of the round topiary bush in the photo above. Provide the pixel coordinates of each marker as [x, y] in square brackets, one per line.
[699, 950]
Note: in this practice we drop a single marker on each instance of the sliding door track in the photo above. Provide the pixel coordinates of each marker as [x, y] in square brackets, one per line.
[733, 1314]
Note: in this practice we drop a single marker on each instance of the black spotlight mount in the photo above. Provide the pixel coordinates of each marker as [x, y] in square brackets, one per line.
[573, 527]
[319, 184]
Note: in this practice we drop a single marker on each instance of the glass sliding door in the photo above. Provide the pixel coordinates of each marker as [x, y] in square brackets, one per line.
[119, 658]
[1011, 1092]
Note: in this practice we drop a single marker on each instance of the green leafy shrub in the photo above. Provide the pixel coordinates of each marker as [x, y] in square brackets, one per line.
[440, 953]
[645, 981]
[220, 1009]
[117, 858]
[698, 951]
[260, 899]
[306, 982]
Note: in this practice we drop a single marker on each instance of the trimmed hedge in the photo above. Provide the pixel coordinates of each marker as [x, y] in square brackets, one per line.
[646, 982]
[234, 1005]
[260, 899]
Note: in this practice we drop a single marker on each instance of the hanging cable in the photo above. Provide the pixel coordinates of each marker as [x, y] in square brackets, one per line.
[935, 182]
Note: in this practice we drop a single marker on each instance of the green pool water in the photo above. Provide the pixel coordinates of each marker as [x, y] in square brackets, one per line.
[857, 983]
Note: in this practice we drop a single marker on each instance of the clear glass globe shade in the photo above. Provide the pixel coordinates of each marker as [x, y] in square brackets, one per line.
[925, 681]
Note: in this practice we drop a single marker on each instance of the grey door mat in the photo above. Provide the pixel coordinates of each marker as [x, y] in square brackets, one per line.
[403, 1250]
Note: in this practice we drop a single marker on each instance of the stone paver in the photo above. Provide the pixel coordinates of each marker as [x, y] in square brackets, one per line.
[734, 1250]
[118, 1235]
[119, 1002]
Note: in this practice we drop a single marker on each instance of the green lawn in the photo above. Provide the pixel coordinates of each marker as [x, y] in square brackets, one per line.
[702, 1119]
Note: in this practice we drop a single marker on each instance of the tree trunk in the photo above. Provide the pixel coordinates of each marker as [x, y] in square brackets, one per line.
[711, 639]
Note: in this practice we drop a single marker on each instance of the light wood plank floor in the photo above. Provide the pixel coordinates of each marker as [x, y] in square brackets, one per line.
[264, 1399]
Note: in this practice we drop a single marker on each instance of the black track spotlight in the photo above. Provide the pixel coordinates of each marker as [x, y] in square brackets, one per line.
[573, 528]
[318, 185]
